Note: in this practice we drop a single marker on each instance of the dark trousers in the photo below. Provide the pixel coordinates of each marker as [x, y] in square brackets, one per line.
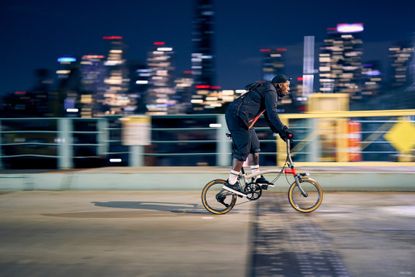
[244, 141]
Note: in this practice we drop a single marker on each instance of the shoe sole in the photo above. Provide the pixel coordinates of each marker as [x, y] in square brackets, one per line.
[234, 191]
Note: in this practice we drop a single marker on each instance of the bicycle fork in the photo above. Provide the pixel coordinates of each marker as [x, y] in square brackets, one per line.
[297, 182]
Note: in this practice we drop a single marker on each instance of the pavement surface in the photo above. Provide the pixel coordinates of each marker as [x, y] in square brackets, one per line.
[163, 233]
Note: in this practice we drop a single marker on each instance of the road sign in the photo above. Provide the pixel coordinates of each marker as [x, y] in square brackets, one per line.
[402, 136]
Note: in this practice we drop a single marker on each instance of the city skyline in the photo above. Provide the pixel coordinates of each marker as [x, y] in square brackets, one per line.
[237, 39]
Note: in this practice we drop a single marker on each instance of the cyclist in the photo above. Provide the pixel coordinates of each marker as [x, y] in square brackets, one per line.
[241, 116]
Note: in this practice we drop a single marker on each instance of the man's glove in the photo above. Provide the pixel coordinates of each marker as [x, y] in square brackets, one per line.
[286, 134]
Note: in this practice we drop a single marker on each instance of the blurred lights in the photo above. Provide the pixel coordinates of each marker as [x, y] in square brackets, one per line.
[115, 160]
[350, 28]
[63, 72]
[164, 49]
[197, 101]
[112, 37]
[372, 73]
[66, 60]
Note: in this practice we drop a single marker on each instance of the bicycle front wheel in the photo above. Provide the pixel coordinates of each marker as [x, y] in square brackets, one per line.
[311, 200]
[217, 200]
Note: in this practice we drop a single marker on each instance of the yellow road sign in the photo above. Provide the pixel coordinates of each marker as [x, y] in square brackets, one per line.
[402, 136]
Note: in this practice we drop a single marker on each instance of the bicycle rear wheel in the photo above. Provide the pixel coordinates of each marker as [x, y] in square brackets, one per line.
[309, 202]
[217, 200]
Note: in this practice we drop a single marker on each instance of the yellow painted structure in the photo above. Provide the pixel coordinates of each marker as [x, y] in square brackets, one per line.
[331, 131]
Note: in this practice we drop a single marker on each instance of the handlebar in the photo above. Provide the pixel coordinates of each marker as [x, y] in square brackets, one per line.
[289, 152]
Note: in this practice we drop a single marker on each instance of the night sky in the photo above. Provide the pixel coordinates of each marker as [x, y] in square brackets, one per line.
[34, 33]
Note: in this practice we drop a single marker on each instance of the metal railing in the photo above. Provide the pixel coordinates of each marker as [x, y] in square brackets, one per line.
[188, 140]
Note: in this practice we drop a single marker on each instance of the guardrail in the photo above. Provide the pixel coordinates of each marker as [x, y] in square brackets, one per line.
[187, 140]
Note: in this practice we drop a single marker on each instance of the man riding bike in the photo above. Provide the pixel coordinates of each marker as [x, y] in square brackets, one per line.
[242, 114]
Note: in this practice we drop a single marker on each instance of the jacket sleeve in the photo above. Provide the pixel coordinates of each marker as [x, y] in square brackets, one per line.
[271, 115]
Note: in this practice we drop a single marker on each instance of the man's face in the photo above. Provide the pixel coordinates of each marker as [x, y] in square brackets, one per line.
[284, 87]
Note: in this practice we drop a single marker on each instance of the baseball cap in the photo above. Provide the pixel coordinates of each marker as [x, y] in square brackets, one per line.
[280, 78]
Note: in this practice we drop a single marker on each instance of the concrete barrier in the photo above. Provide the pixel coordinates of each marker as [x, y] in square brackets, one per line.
[194, 178]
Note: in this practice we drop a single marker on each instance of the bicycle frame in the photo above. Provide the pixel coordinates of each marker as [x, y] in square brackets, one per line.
[290, 170]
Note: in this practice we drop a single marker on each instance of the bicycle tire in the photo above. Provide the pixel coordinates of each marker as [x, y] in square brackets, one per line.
[208, 202]
[295, 196]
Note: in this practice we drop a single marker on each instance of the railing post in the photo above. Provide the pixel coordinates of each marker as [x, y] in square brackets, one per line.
[102, 136]
[65, 139]
[136, 157]
[314, 144]
[223, 144]
[1, 147]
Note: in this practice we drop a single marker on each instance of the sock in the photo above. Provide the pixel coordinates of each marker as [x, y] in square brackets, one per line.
[233, 177]
[254, 169]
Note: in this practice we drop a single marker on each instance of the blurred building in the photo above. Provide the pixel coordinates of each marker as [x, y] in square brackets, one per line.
[142, 80]
[372, 78]
[401, 55]
[273, 62]
[138, 84]
[41, 92]
[34, 103]
[184, 91]
[341, 60]
[307, 81]
[93, 74]
[116, 99]
[66, 97]
[17, 104]
[161, 88]
[203, 67]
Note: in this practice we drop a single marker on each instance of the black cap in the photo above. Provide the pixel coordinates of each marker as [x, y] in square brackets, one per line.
[280, 78]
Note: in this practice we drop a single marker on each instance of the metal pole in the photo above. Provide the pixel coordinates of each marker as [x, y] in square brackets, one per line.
[1, 147]
[65, 151]
[102, 136]
[223, 158]
[136, 157]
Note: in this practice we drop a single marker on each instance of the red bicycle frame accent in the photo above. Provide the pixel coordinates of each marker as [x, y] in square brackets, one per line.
[290, 171]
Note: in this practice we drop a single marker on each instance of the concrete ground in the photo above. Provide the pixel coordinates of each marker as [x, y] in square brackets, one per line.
[162, 233]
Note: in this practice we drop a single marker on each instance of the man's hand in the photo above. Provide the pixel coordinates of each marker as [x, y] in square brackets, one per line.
[286, 134]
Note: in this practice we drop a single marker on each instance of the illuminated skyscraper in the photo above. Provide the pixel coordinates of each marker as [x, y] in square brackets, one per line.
[203, 67]
[116, 99]
[341, 60]
[401, 55]
[273, 62]
[161, 90]
[139, 85]
[307, 80]
[93, 74]
[69, 83]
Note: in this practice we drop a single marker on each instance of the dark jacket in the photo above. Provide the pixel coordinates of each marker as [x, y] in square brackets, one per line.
[261, 96]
